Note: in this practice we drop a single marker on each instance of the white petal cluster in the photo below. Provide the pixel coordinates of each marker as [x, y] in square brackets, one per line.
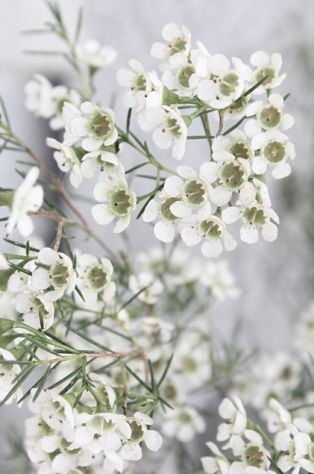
[95, 55]
[27, 198]
[232, 187]
[61, 439]
[46, 100]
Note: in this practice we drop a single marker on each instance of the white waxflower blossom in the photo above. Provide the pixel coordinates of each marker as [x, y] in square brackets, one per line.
[54, 274]
[278, 418]
[36, 310]
[68, 160]
[269, 116]
[286, 445]
[254, 218]
[217, 277]
[159, 209]
[209, 228]
[189, 189]
[117, 201]
[275, 150]
[137, 82]
[178, 80]
[235, 145]
[192, 358]
[8, 374]
[267, 67]
[254, 456]
[98, 161]
[89, 125]
[233, 412]
[304, 449]
[183, 423]
[150, 286]
[216, 81]
[281, 375]
[28, 197]
[94, 279]
[95, 55]
[216, 464]
[174, 52]
[170, 129]
[140, 424]
[47, 101]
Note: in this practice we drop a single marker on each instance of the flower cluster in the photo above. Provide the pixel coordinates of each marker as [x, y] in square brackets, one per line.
[289, 448]
[231, 186]
[62, 439]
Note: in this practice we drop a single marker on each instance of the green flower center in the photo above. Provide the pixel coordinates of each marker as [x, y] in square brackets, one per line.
[189, 364]
[184, 76]
[274, 152]
[101, 125]
[166, 211]
[97, 277]
[210, 228]
[238, 105]
[195, 192]
[240, 150]
[266, 71]
[270, 117]
[233, 175]
[139, 82]
[173, 128]
[229, 84]
[121, 202]
[177, 46]
[185, 418]
[170, 392]
[99, 424]
[59, 275]
[137, 431]
[253, 456]
[254, 216]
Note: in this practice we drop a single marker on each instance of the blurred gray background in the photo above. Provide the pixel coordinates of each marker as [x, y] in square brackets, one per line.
[276, 279]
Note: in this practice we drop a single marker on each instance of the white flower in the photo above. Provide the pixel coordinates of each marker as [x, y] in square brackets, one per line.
[278, 418]
[269, 116]
[217, 463]
[286, 445]
[217, 277]
[177, 47]
[99, 161]
[28, 197]
[94, 279]
[118, 202]
[140, 432]
[54, 274]
[254, 218]
[67, 160]
[304, 449]
[235, 145]
[275, 149]
[216, 81]
[150, 286]
[36, 310]
[183, 424]
[95, 55]
[8, 374]
[47, 101]
[90, 125]
[137, 82]
[171, 131]
[178, 80]
[236, 420]
[255, 458]
[267, 67]
[204, 225]
[38, 96]
[190, 190]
